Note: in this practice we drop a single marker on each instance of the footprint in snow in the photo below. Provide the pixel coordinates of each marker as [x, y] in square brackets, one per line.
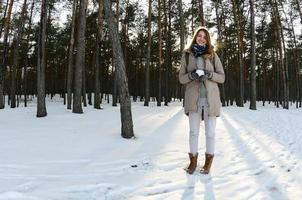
[258, 173]
[272, 188]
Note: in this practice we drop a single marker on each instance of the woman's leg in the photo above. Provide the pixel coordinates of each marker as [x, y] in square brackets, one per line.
[194, 121]
[210, 125]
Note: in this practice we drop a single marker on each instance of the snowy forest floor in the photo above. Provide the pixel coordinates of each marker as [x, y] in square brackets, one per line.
[67, 156]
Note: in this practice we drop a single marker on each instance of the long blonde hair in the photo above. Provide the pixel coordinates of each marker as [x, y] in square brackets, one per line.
[210, 50]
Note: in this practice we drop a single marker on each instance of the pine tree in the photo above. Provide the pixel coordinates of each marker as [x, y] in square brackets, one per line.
[126, 115]
[80, 59]
[41, 106]
[147, 83]
[253, 58]
[6, 22]
[70, 55]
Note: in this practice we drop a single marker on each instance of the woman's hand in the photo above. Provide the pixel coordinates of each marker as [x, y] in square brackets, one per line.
[194, 75]
[206, 75]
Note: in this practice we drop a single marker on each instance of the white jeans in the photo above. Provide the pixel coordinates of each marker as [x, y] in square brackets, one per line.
[210, 124]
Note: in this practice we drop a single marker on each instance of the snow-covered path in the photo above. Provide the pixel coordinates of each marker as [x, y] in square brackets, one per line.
[82, 157]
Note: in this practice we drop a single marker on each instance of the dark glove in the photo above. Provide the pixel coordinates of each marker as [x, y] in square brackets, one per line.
[193, 75]
[202, 78]
[207, 75]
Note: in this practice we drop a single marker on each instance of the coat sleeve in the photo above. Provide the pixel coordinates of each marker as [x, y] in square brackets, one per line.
[218, 75]
[183, 76]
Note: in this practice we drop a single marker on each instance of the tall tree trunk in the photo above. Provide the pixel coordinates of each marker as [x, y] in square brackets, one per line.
[166, 39]
[253, 58]
[84, 95]
[276, 63]
[219, 41]
[182, 40]
[264, 94]
[97, 98]
[27, 57]
[278, 54]
[5, 52]
[50, 62]
[170, 51]
[201, 15]
[182, 26]
[147, 86]
[159, 54]
[125, 34]
[70, 55]
[115, 80]
[296, 60]
[126, 115]
[17, 40]
[168, 61]
[80, 59]
[285, 63]
[237, 18]
[41, 107]
[281, 50]
[84, 82]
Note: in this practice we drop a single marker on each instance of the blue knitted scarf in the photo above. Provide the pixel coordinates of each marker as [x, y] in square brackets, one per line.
[199, 50]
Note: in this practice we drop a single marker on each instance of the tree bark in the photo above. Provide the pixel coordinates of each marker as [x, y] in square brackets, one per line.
[17, 40]
[159, 54]
[70, 73]
[182, 26]
[219, 41]
[285, 62]
[168, 60]
[126, 115]
[80, 59]
[5, 52]
[147, 72]
[115, 80]
[182, 42]
[97, 99]
[41, 107]
[281, 50]
[84, 95]
[253, 58]
[262, 89]
[296, 60]
[238, 23]
[165, 66]
[124, 23]
[201, 15]
[27, 57]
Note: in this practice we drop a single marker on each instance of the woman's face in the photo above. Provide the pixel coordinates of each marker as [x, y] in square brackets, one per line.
[201, 38]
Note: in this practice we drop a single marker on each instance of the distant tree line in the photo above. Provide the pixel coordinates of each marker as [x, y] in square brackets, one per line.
[258, 44]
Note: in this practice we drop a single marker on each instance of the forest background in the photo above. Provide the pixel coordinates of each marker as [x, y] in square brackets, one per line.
[258, 44]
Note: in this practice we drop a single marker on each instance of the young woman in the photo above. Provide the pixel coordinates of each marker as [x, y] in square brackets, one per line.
[200, 71]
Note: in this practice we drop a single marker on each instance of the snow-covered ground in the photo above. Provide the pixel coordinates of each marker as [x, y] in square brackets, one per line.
[67, 156]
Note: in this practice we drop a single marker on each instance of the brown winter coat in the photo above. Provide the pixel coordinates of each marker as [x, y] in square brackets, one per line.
[192, 87]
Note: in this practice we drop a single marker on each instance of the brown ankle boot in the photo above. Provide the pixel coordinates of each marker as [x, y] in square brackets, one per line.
[193, 163]
[207, 165]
